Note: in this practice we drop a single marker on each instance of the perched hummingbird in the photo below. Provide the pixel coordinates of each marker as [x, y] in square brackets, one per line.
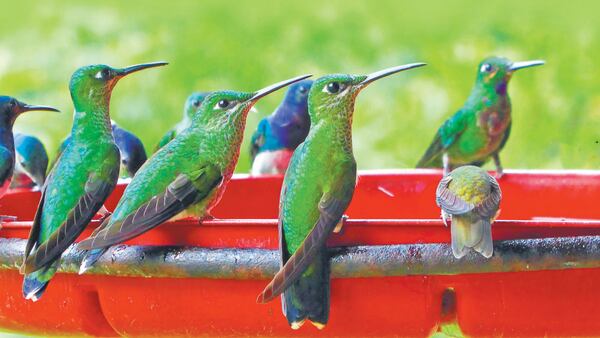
[83, 177]
[192, 104]
[184, 178]
[470, 197]
[31, 162]
[481, 127]
[278, 134]
[316, 191]
[131, 149]
[10, 109]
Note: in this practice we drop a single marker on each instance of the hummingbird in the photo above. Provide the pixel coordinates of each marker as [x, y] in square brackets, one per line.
[10, 109]
[192, 104]
[131, 149]
[31, 162]
[82, 179]
[480, 129]
[470, 197]
[186, 177]
[317, 188]
[278, 134]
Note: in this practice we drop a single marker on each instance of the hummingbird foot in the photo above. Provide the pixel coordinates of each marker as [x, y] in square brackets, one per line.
[318, 325]
[104, 214]
[499, 170]
[340, 226]
[446, 218]
[207, 217]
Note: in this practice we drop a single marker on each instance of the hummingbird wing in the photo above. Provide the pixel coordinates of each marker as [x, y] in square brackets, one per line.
[448, 201]
[489, 206]
[448, 133]
[183, 192]
[332, 206]
[96, 190]
[258, 138]
[7, 165]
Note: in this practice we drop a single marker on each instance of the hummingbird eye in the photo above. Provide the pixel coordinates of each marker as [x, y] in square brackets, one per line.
[332, 88]
[196, 103]
[486, 67]
[104, 74]
[223, 104]
[302, 90]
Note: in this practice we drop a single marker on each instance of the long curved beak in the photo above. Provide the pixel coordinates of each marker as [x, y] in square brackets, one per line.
[526, 64]
[137, 68]
[268, 90]
[24, 107]
[389, 71]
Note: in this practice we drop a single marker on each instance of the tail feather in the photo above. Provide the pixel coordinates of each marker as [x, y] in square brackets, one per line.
[468, 233]
[308, 297]
[35, 283]
[91, 257]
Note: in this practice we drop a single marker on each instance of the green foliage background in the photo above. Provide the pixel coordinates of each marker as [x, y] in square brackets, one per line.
[248, 44]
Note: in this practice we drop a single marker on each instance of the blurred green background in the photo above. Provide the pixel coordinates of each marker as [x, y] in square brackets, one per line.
[249, 44]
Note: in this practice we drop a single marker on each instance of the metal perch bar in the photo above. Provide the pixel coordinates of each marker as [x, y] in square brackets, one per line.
[347, 262]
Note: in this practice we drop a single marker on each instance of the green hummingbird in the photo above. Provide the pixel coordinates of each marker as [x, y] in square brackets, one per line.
[10, 109]
[480, 129]
[192, 104]
[187, 177]
[470, 197]
[83, 177]
[317, 189]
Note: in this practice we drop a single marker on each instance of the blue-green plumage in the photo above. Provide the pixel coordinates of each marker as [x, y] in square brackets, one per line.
[31, 162]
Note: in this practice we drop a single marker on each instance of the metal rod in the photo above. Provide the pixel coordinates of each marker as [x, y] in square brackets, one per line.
[347, 262]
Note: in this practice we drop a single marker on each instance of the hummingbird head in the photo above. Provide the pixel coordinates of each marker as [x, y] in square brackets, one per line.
[94, 83]
[495, 72]
[10, 108]
[297, 93]
[192, 104]
[230, 108]
[333, 96]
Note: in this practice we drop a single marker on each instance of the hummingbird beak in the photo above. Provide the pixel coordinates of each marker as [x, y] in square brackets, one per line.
[389, 71]
[268, 90]
[136, 68]
[526, 64]
[24, 107]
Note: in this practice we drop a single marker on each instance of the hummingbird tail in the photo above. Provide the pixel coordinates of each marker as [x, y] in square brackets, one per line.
[468, 233]
[485, 245]
[91, 257]
[34, 287]
[308, 298]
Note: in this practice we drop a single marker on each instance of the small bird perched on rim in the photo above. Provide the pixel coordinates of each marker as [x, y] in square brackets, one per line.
[131, 150]
[480, 129]
[83, 177]
[316, 191]
[278, 134]
[10, 109]
[192, 104]
[31, 162]
[470, 197]
[187, 177]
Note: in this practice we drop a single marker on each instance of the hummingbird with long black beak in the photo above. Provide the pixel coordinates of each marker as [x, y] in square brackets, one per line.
[185, 178]
[317, 189]
[192, 105]
[31, 162]
[480, 129]
[278, 134]
[470, 198]
[83, 177]
[10, 109]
